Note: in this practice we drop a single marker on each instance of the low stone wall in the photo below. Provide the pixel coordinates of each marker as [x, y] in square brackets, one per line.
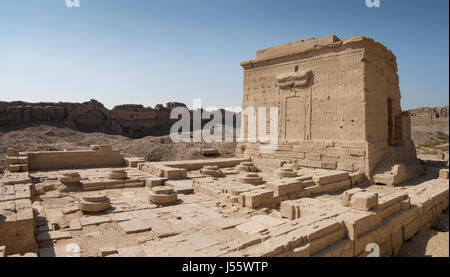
[101, 156]
[175, 170]
[342, 155]
[16, 217]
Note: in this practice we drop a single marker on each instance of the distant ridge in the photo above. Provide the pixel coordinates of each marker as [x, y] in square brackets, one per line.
[130, 120]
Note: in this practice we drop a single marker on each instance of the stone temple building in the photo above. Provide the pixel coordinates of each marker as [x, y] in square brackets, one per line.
[339, 107]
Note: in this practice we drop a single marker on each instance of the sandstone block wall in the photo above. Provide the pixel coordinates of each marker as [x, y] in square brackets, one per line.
[17, 218]
[338, 101]
[326, 154]
[98, 156]
[388, 128]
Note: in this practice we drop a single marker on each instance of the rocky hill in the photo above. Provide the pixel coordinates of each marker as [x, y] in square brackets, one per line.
[135, 129]
[429, 123]
[129, 120]
[134, 121]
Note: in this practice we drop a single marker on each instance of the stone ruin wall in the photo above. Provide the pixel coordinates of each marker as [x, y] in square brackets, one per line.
[337, 117]
[430, 118]
[388, 128]
[102, 157]
[97, 156]
[17, 221]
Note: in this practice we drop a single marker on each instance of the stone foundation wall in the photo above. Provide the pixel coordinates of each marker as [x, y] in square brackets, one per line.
[100, 156]
[175, 170]
[342, 155]
[17, 218]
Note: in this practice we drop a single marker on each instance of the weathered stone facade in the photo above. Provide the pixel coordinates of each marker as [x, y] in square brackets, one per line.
[339, 105]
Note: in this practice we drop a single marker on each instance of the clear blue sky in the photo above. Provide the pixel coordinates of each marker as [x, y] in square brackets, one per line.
[149, 52]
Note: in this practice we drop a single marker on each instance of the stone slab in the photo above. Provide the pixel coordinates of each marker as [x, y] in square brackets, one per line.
[135, 226]
[94, 220]
[227, 223]
[53, 235]
[252, 227]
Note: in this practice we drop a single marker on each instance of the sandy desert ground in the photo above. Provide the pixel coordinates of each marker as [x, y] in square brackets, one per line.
[429, 243]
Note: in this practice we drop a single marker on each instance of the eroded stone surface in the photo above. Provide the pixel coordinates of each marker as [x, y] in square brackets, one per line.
[266, 222]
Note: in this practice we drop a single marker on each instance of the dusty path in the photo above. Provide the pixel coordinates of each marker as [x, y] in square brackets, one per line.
[429, 243]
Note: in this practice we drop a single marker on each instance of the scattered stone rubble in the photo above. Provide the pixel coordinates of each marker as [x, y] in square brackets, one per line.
[327, 191]
[317, 212]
